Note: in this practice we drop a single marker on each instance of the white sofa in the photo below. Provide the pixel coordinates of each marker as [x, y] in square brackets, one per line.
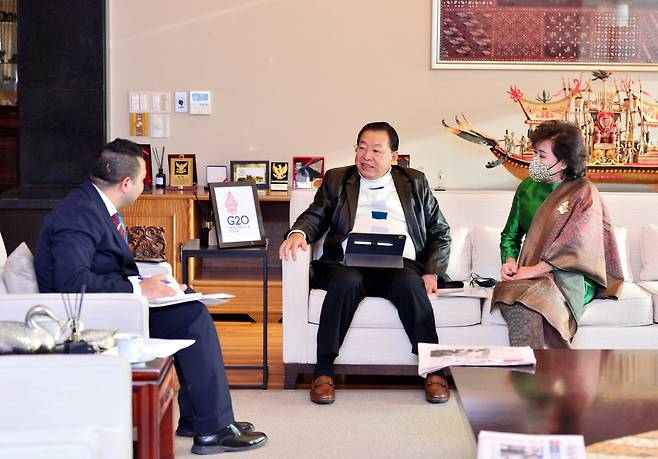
[65, 406]
[376, 341]
[125, 311]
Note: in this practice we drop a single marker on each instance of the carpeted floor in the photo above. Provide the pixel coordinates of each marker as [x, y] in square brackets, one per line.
[360, 424]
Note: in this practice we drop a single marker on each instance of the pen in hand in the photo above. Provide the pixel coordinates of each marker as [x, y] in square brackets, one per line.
[165, 281]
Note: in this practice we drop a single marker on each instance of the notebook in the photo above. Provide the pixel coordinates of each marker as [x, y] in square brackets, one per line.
[375, 250]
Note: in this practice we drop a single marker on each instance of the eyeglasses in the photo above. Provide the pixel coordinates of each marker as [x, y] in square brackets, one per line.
[480, 281]
[363, 149]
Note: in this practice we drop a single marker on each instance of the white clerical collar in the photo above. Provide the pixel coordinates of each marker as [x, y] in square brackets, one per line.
[110, 207]
[377, 183]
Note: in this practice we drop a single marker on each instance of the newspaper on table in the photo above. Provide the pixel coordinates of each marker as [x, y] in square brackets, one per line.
[501, 445]
[433, 357]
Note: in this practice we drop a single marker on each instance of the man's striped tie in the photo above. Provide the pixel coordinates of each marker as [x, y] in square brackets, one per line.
[118, 223]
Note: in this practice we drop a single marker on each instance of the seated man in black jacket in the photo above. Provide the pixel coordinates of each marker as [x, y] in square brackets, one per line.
[374, 197]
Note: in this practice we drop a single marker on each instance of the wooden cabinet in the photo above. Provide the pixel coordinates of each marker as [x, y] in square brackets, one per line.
[173, 211]
[179, 215]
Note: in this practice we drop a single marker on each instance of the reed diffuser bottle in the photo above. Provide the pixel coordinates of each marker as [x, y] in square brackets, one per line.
[160, 177]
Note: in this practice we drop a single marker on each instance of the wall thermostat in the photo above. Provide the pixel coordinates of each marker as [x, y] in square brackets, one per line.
[200, 103]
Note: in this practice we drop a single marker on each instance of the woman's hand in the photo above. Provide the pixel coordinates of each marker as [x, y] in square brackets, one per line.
[534, 271]
[509, 269]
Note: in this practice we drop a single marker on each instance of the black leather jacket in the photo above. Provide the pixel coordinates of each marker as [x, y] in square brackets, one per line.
[334, 209]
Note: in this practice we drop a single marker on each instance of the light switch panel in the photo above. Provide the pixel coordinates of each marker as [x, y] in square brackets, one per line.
[180, 101]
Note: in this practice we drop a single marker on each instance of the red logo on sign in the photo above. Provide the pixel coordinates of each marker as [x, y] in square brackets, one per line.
[231, 204]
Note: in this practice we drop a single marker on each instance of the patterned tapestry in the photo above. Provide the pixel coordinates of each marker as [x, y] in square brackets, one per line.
[548, 31]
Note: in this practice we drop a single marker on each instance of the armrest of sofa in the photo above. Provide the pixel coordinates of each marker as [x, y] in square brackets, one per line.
[154, 269]
[125, 311]
[295, 286]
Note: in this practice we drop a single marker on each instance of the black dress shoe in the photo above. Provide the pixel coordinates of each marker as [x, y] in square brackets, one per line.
[228, 439]
[185, 429]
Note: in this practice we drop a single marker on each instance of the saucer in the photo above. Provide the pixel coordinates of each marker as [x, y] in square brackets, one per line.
[142, 358]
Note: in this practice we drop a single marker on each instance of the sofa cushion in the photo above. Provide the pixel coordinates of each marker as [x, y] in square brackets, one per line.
[375, 312]
[486, 251]
[3, 288]
[18, 272]
[633, 308]
[649, 252]
[624, 255]
[459, 266]
[652, 288]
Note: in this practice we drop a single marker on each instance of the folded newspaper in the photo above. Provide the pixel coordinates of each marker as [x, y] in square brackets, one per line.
[433, 357]
[502, 445]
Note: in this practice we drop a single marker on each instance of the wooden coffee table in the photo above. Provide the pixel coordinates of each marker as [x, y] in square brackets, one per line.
[153, 393]
[600, 394]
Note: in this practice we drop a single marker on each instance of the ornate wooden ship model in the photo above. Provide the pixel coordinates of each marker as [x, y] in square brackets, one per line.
[616, 121]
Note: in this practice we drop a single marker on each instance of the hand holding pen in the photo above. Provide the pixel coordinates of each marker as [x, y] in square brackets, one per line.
[158, 287]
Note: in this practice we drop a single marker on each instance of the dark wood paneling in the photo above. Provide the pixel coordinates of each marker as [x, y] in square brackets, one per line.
[62, 89]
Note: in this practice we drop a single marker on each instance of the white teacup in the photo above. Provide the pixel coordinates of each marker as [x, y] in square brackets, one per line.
[129, 345]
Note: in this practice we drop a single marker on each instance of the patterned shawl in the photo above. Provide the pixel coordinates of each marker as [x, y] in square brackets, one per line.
[572, 232]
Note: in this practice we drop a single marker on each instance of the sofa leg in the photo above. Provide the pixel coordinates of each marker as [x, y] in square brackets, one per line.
[291, 371]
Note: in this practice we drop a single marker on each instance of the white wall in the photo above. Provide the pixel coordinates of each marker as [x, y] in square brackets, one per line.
[300, 77]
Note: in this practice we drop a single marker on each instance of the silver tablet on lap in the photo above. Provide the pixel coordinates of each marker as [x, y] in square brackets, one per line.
[371, 250]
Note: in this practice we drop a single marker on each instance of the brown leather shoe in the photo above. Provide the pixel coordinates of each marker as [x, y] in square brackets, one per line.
[322, 390]
[436, 389]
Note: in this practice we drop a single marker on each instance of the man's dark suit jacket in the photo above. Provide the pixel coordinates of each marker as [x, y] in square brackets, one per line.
[334, 209]
[79, 245]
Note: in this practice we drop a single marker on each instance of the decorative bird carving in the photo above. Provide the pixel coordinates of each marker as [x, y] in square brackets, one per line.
[31, 335]
[468, 132]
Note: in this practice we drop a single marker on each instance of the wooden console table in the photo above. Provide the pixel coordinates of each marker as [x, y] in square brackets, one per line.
[153, 394]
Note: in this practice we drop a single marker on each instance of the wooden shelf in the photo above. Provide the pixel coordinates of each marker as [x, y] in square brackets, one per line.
[248, 297]
[160, 193]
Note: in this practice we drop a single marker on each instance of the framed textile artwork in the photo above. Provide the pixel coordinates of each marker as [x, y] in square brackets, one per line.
[545, 34]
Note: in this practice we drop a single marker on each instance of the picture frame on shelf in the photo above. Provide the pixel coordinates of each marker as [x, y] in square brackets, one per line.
[216, 174]
[148, 179]
[307, 171]
[238, 219]
[279, 175]
[253, 171]
[182, 170]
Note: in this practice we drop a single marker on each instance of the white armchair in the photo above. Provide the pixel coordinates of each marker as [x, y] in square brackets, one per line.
[126, 311]
[65, 406]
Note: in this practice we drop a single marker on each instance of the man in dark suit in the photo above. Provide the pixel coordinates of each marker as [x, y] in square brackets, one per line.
[82, 243]
[373, 197]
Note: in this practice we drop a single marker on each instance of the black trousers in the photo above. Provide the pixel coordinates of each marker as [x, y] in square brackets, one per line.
[204, 398]
[346, 286]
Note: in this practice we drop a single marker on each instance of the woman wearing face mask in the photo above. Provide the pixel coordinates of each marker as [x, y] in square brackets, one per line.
[569, 255]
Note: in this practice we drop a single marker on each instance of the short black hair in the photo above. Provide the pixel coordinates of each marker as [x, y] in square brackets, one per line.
[116, 161]
[393, 139]
[568, 145]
